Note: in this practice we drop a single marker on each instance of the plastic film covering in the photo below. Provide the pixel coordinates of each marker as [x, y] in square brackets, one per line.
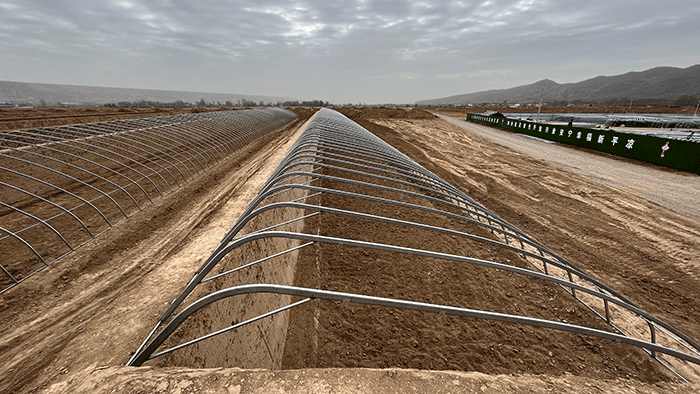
[337, 164]
[61, 187]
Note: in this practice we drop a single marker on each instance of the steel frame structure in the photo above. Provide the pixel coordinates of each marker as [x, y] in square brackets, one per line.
[63, 186]
[332, 141]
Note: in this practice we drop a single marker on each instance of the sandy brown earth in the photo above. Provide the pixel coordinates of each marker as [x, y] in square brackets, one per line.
[95, 306]
[350, 381]
[73, 326]
[24, 118]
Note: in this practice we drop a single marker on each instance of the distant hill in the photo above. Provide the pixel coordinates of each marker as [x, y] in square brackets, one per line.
[23, 92]
[669, 83]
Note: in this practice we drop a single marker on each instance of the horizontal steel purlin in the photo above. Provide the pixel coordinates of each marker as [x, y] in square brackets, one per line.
[332, 142]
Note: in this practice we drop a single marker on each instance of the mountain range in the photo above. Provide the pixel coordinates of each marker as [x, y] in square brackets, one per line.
[35, 93]
[660, 83]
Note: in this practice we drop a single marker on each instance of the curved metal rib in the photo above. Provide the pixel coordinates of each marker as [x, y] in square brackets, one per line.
[145, 353]
[98, 170]
[335, 151]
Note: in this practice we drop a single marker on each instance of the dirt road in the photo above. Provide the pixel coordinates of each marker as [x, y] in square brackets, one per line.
[675, 190]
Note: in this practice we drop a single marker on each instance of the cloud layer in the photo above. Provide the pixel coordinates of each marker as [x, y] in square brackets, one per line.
[351, 51]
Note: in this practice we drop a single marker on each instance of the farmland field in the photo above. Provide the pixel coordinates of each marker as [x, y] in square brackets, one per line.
[72, 327]
[24, 118]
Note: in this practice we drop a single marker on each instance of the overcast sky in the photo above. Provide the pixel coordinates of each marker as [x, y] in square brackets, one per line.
[341, 51]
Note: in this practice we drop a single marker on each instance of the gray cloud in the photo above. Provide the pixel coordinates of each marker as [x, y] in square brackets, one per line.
[351, 51]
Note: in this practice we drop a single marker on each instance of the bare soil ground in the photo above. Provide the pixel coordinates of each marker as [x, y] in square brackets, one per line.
[24, 118]
[71, 328]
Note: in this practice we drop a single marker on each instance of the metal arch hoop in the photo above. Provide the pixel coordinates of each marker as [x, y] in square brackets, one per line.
[39, 220]
[64, 143]
[27, 244]
[63, 209]
[146, 351]
[333, 142]
[154, 135]
[150, 148]
[60, 152]
[161, 144]
[117, 187]
[99, 140]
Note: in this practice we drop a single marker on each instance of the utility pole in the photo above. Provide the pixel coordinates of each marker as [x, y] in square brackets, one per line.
[696, 109]
[539, 108]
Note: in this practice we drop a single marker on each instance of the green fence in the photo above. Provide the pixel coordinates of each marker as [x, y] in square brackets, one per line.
[672, 153]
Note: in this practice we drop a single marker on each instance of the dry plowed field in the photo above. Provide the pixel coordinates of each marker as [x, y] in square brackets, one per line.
[21, 118]
[72, 327]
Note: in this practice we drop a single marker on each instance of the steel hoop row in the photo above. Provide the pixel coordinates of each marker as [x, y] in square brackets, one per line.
[112, 160]
[333, 142]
